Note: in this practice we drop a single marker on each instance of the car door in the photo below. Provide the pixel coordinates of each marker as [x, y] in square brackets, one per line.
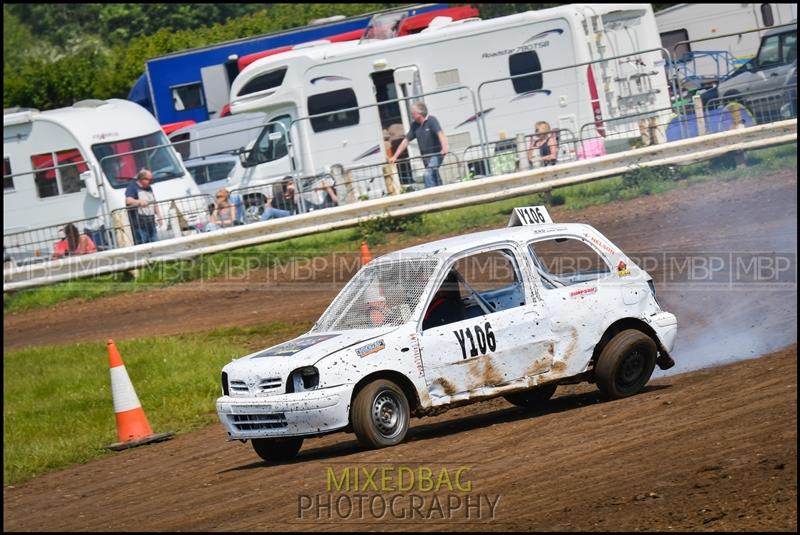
[483, 328]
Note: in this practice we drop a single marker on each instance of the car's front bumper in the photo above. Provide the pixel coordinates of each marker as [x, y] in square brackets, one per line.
[304, 413]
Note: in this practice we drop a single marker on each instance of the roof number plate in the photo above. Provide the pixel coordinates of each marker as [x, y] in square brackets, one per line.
[529, 215]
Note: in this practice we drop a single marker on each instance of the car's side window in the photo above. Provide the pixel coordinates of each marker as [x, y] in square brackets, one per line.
[478, 284]
[770, 53]
[566, 261]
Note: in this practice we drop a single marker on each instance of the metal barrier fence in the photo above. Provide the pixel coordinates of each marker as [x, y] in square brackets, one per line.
[642, 80]
[432, 199]
[764, 106]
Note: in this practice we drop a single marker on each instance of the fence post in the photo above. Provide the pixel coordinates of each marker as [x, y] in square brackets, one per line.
[522, 154]
[392, 179]
[699, 116]
[122, 231]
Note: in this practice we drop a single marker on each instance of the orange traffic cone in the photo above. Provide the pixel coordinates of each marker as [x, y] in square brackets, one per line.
[133, 429]
[366, 257]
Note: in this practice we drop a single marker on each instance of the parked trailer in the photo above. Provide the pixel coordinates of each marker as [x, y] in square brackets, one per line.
[709, 60]
[73, 164]
[194, 84]
[340, 101]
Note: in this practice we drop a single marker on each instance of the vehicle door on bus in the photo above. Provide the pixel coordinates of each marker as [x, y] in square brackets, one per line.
[269, 155]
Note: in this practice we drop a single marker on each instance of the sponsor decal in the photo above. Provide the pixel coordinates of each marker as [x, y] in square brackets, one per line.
[601, 244]
[105, 135]
[329, 79]
[370, 348]
[294, 346]
[474, 118]
[622, 269]
[374, 150]
[584, 291]
[555, 31]
[527, 94]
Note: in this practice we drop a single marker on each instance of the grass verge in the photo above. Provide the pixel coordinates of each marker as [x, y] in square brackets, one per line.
[57, 403]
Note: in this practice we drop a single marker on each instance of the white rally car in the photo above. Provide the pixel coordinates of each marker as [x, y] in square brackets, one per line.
[511, 312]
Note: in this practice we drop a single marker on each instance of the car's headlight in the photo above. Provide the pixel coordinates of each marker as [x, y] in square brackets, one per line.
[302, 379]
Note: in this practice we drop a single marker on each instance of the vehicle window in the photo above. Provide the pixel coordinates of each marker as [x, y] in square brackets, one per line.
[477, 284]
[330, 103]
[522, 63]
[70, 166]
[789, 47]
[766, 15]
[121, 160]
[564, 262]
[770, 53]
[45, 179]
[8, 180]
[181, 144]
[263, 82]
[199, 174]
[271, 143]
[380, 295]
[187, 97]
[220, 171]
[670, 41]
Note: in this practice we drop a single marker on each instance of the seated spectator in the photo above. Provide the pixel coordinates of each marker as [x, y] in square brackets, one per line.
[271, 213]
[224, 214]
[73, 244]
[284, 195]
[320, 194]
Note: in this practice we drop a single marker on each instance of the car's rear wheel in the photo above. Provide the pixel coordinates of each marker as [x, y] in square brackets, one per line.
[535, 397]
[625, 364]
[380, 414]
[277, 449]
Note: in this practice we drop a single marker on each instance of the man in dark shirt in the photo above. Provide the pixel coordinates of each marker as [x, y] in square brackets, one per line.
[432, 143]
[142, 208]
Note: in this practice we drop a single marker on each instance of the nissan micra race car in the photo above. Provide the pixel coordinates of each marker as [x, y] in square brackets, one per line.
[512, 312]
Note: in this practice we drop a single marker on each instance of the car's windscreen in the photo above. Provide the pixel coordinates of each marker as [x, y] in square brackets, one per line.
[380, 295]
[121, 160]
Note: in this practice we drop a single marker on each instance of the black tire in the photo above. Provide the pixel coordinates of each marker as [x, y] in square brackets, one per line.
[535, 397]
[380, 414]
[277, 449]
[625, 364]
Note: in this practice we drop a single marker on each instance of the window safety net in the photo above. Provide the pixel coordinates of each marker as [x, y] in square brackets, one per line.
[380, 295]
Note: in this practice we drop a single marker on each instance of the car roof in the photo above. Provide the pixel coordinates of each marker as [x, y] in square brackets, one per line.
[447, 247]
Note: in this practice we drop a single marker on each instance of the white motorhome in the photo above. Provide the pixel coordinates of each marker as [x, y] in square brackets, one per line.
[73, 165]
[711, 59]
[461, 70]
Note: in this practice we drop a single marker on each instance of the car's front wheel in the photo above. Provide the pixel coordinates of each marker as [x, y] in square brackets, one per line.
[535, 397]
[380, 414]
[277, 449]
[625, 364]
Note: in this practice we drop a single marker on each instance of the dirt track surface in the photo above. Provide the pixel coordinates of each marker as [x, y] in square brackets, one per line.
[711, 450]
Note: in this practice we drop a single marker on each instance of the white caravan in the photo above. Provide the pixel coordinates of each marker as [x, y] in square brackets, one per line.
[446, 66]
[690, 22]
[73, 164]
